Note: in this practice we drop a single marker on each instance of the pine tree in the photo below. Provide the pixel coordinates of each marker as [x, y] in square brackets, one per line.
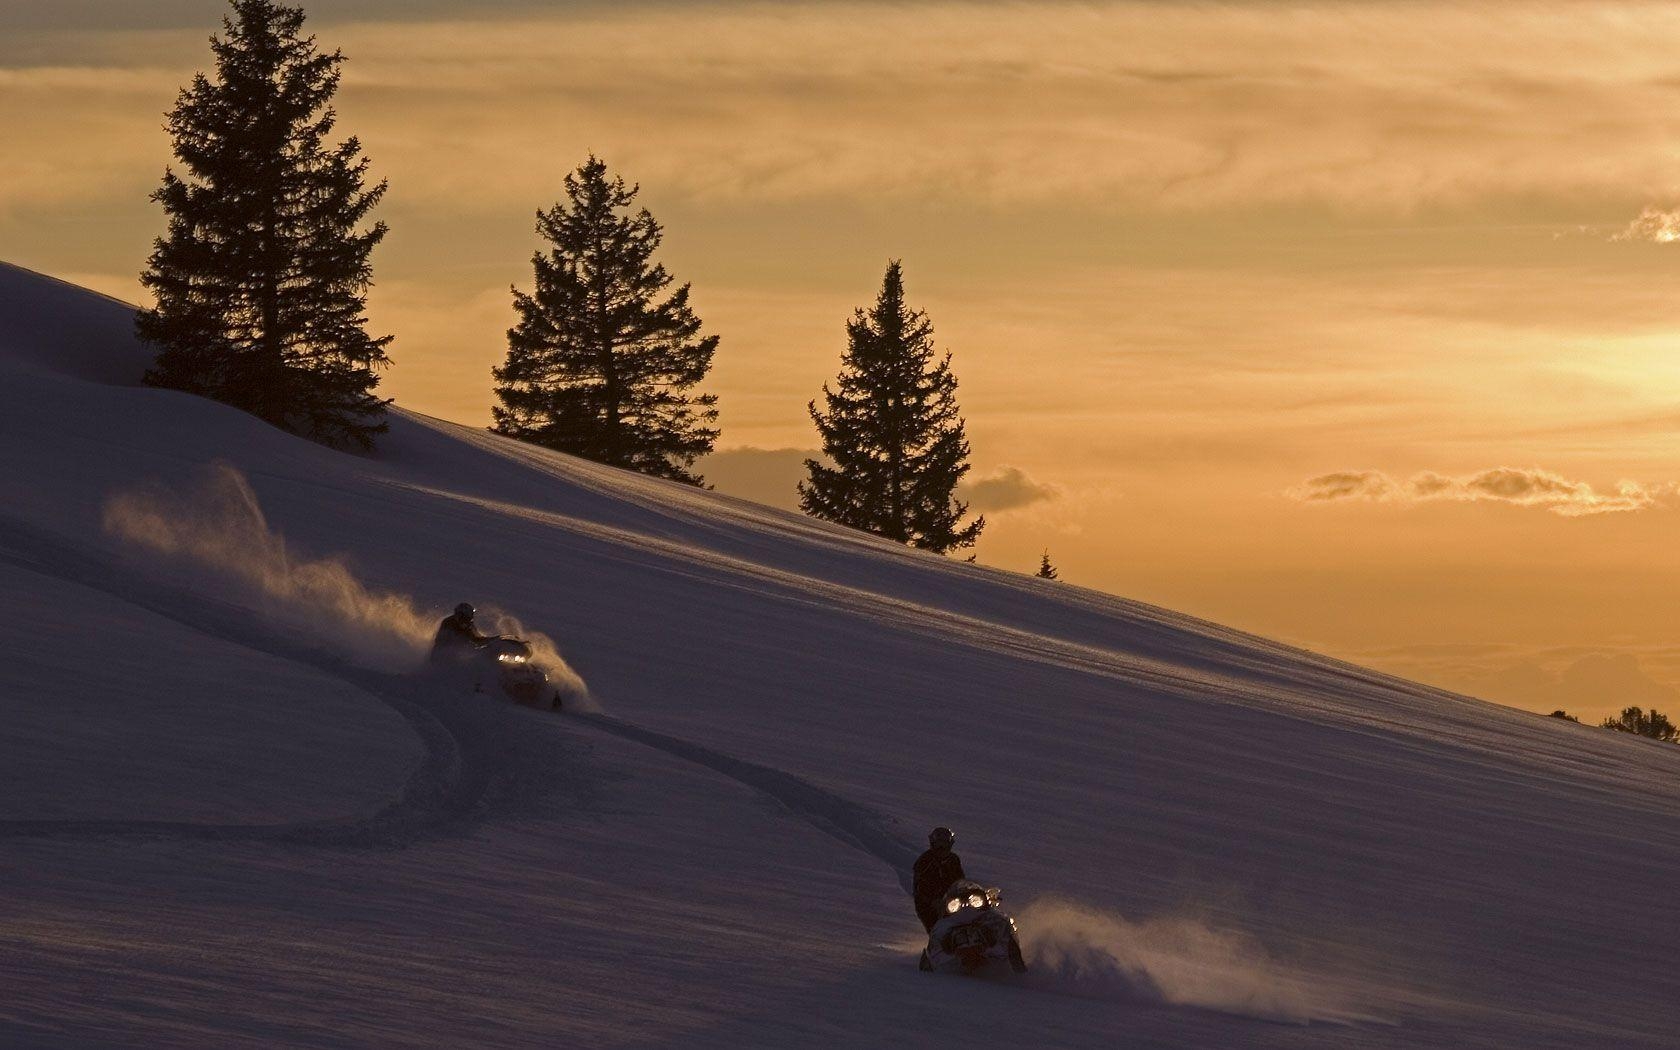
[599, 365]
[1634, 720]
[892, 432]
[261, 280]
[1046, 571]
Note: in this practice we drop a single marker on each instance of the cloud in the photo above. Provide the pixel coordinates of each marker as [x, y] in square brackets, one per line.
[1372, 107]
[1522, 488]
[1653, 224]
[1361, 484]
[1187, 106]
[93, 132]
[763, 475]
[768, 476]
[1009, 488]
[200, 15]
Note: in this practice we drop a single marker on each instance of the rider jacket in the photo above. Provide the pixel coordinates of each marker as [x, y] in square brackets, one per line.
[936, 871]
[457, 635]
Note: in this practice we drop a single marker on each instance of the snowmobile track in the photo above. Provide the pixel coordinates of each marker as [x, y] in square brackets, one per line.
[466, 746]
[853, 824]
[455, 782]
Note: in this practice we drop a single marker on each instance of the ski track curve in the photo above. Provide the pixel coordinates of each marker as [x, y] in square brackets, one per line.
[467, 744]
[853, 824]
[460, 773]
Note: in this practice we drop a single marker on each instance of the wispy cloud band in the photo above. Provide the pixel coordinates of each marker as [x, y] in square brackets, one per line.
[1375, 106]
[1518, 487]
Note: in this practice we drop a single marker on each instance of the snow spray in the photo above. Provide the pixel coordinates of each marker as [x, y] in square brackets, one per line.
[1177, 961]
[217, 527]
[544, 653]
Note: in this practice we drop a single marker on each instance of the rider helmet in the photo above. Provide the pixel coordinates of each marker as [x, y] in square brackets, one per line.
[465, 611]
[941, 838]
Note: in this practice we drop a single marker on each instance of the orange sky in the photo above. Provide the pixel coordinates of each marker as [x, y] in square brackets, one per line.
[1190, 258]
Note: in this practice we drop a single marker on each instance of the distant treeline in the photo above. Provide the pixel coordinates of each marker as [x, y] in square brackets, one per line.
[261, 281]
[1634, 720]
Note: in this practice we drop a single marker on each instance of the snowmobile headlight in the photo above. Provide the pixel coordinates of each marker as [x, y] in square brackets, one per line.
[512, 658]
[954, 905]
[976, 900]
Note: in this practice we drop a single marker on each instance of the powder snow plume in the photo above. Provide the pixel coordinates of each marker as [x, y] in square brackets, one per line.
[1179, 961]
[544, 653]
[217, 526]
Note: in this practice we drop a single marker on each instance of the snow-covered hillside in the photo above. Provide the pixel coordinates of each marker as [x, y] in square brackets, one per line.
[232, 813]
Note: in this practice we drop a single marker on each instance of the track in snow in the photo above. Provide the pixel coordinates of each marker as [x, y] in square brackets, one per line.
[474, 750]
[853, 824]
[474, 754]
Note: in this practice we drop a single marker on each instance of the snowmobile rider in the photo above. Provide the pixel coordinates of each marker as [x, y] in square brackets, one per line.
[936, 871]
[456, 635]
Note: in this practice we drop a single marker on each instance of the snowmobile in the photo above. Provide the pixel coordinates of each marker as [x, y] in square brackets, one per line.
[519, 677]
[505, 661]
[973, 929]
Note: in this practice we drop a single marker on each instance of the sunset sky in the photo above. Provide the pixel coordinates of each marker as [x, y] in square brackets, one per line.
[1353, 324]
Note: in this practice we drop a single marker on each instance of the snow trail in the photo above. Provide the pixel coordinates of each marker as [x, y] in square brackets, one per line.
[1072, 949]
[475, 753]
[853, 824]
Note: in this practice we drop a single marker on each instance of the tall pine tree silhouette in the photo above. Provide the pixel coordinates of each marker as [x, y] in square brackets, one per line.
[1046, 571]
[599, 364]
[261, 279]
[892, 432]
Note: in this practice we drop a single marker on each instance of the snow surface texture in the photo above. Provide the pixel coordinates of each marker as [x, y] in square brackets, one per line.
[236, 813]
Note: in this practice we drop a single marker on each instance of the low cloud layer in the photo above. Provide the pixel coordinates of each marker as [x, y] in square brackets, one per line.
[1519, 487]
[764, 475]
[770, 476]
[1009, 488]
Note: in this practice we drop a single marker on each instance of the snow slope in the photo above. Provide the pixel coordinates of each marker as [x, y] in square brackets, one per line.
[233, 814]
